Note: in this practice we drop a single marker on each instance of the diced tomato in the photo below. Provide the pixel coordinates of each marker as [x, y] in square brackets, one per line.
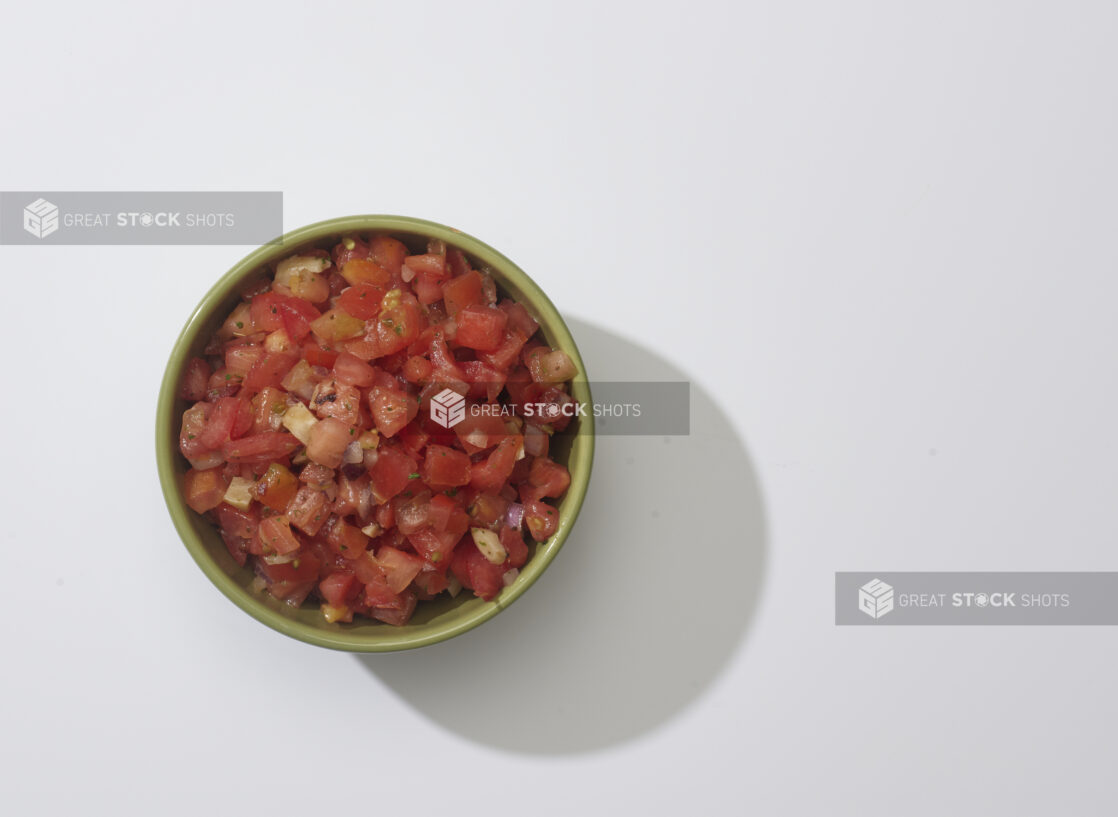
[417, 369]
[445, 467]
[377, 591]
[276, 488]
[481, 327]
[487, 509]
[514, 545]
[463, 291]
[519, 317]
[435, 547]
[388, 253]
[275, 533]
[194, 378]
[546, 478]
[353, 497]
[236, 522]
[302, 379]
[392, 409]
[397, 326]
[428, 288]
[430, 583]
[456, 261]
[542, 519]
[385, 516]
[346, 539]
[204, 490]
[399, 612]
[439, 511]
[328, 440]
[411, 510]
[268, 445]
[364, 271]
[429, 264]
[362, 300]
[390, 474]
[490, 474]
[269, 370]
[476, 572]
[222, 383]
[414, 438]
[338, 325]
[338, 400]
[240, 357]
[399, 567]
[339, 589]
[507, 352]
[307, 511]
[292, 581]
[271, 311]
[317, 355]
[353, 370]
[219, 425]
[485, 381]
[193, 423]
[478, 432]
[268, 408]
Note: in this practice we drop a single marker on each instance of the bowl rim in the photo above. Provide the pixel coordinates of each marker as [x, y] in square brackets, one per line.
[165, 431]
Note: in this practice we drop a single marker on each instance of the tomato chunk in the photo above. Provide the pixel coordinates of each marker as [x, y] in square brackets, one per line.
[445, 467]
[481, 327]
[204, 490]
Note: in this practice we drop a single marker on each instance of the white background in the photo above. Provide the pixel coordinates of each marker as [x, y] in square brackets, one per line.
[879, 238]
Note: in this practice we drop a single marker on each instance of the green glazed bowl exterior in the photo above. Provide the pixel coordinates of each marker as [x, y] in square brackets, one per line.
[433, 621]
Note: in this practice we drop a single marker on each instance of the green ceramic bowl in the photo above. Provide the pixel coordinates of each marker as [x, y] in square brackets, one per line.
[433, 621]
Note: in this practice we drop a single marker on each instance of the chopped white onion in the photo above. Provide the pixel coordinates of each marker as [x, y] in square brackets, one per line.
[353, 453]
[453, 586]
[490, 545]
[514, 516]
[299, 421]
[510, 576]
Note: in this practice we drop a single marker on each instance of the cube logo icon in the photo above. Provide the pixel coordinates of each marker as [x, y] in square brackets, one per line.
[875, 598]
[448, 408]
[40, 218]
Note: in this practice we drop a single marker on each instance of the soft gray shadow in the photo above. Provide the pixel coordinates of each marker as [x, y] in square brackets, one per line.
[649, 599]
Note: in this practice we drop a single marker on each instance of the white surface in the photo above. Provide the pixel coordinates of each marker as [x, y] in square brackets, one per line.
[880, 236]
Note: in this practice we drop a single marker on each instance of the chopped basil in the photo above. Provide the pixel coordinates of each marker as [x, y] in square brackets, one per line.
[413, 475]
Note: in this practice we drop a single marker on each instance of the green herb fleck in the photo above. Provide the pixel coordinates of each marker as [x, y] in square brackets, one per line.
[190, 436]
[413, 475]
[240, 324]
